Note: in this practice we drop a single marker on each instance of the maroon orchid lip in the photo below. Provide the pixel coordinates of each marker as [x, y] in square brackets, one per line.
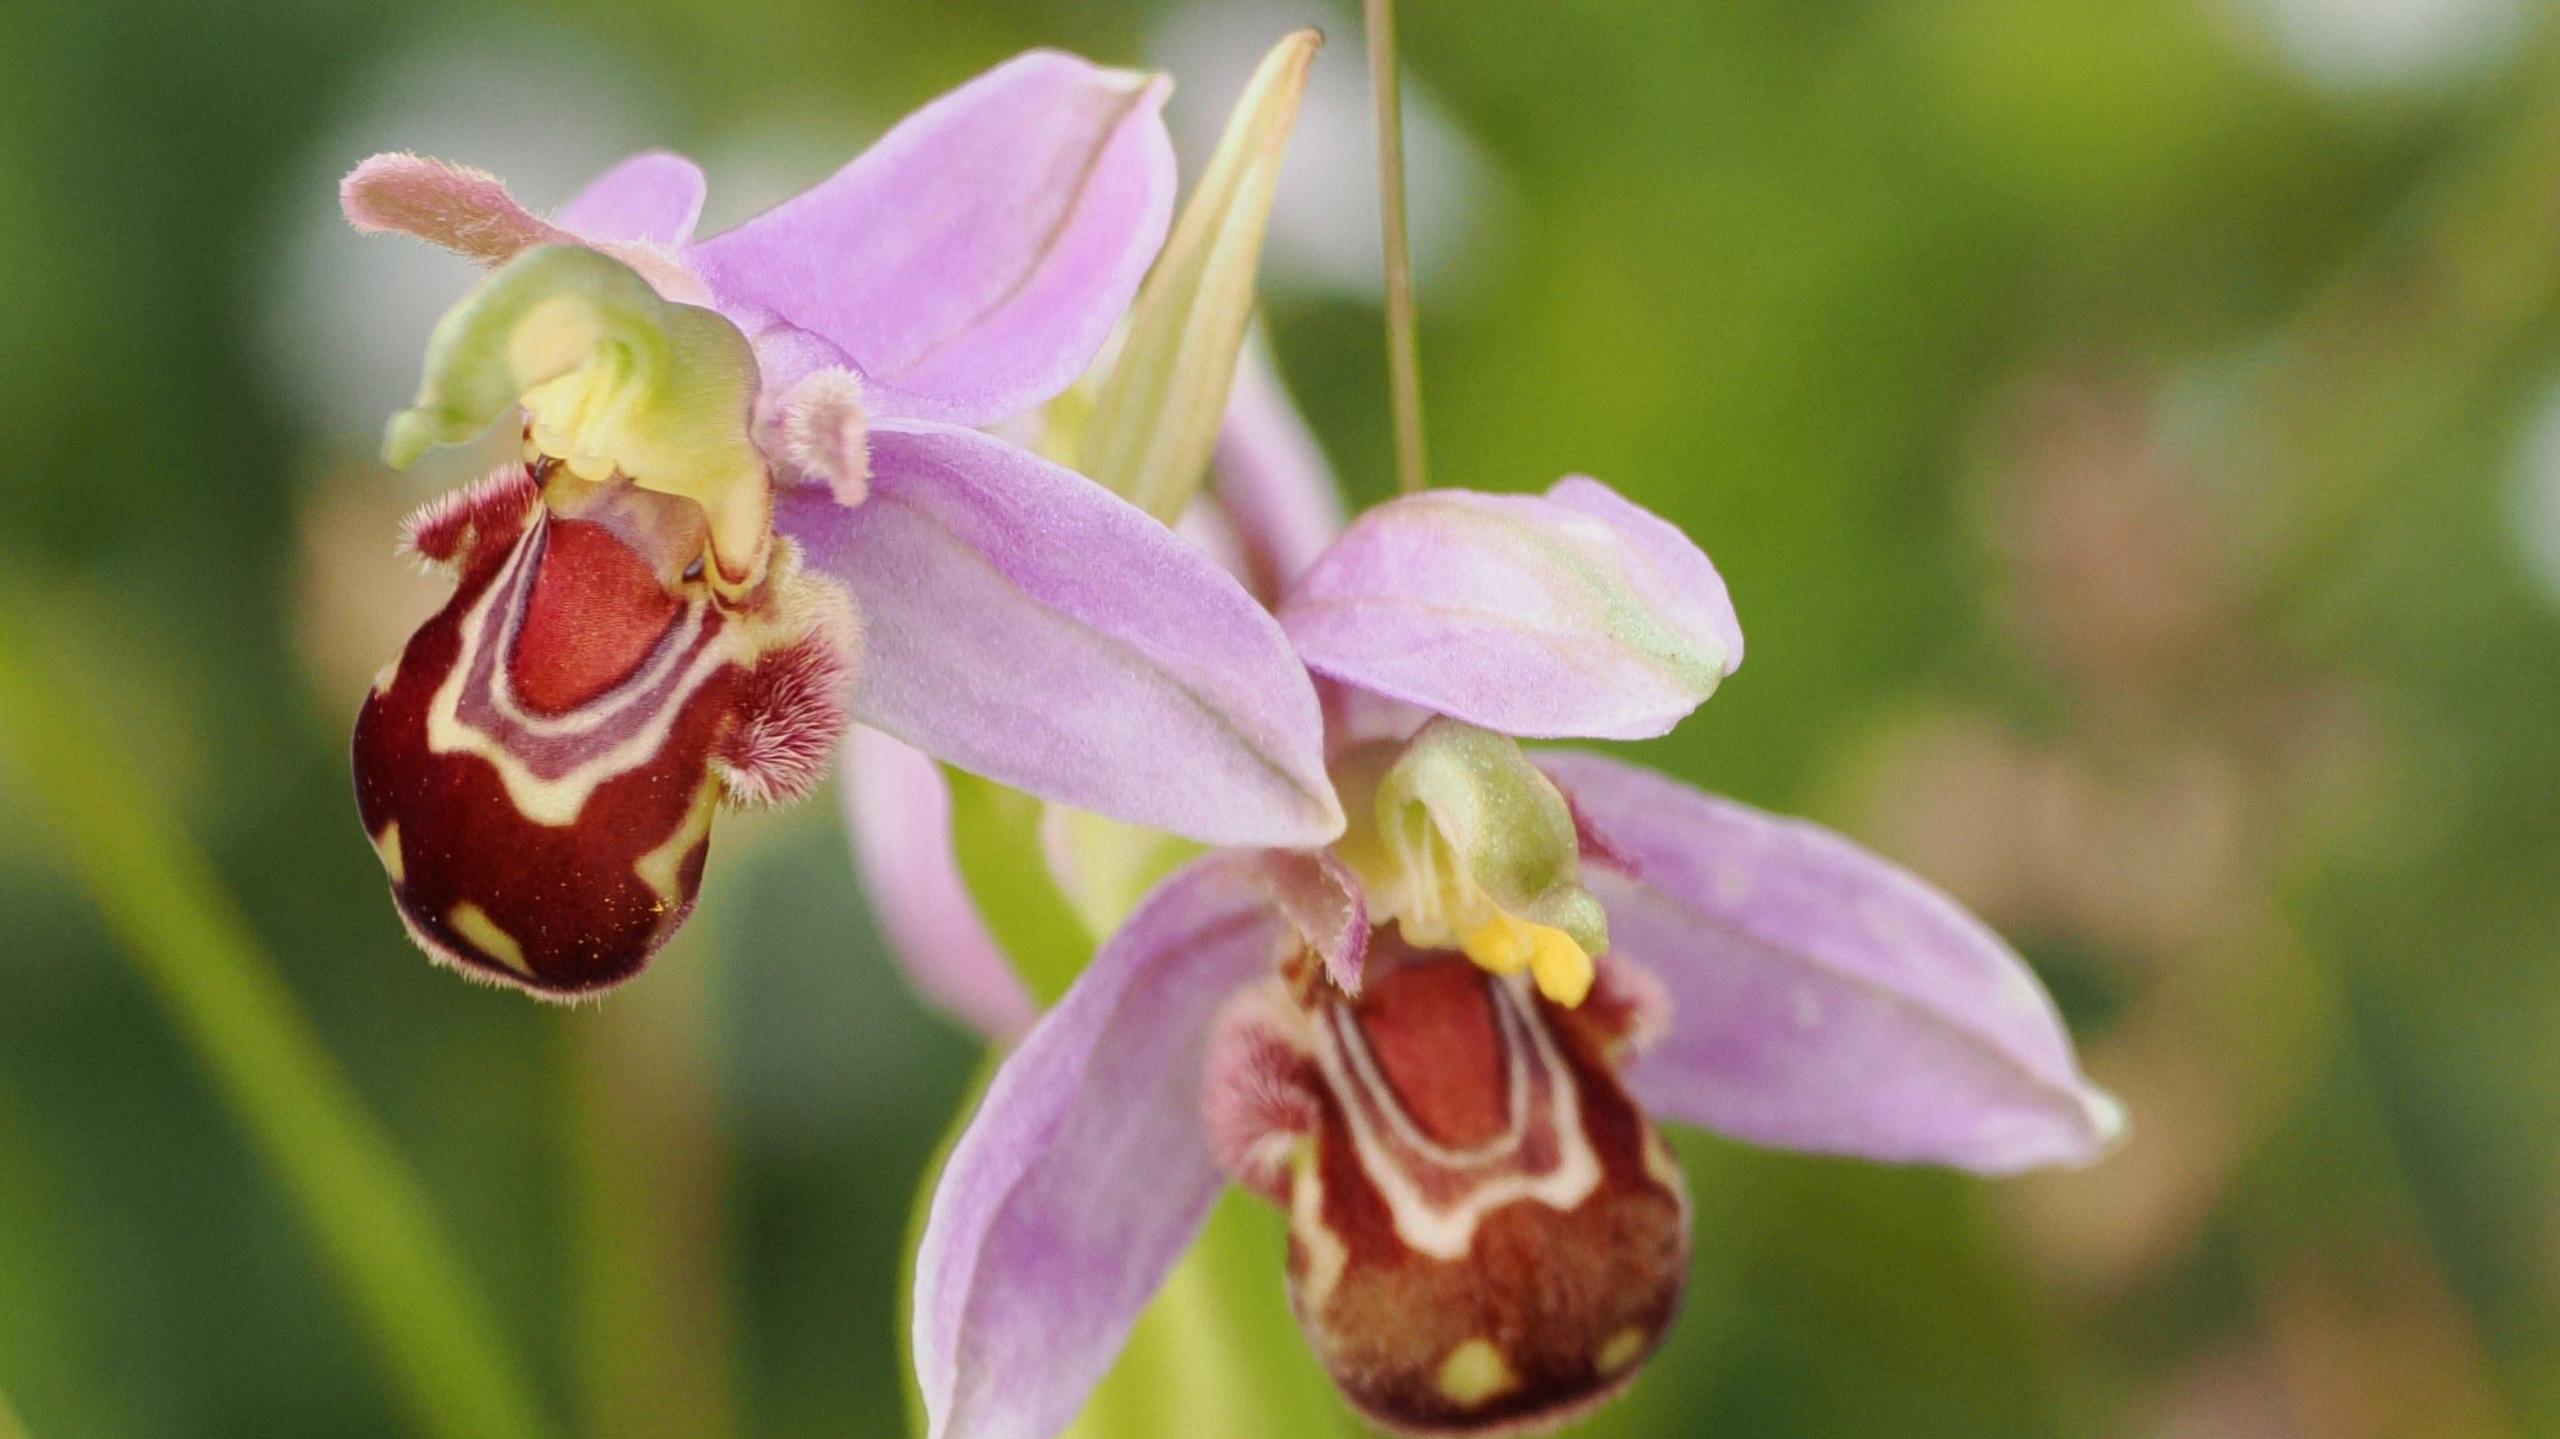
[1486, 1235]
[540, 768]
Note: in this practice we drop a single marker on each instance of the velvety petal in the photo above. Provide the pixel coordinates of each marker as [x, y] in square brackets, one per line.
[1086, 1171]
[653, 198]
[1573, 614]
[1271, 478]
[972, 263]
[898, 811]
[1024, 623]
[456, 207]
[471, 213]
[1823, 999]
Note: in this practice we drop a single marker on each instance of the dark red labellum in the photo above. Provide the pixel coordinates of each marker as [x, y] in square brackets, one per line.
[1486, 1234]
[540, 769]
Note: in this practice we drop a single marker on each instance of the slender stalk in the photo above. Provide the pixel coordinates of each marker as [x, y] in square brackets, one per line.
[398, 1265]
[1404, 340]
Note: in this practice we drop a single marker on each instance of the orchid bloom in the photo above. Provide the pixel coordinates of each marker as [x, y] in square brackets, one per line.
[1439, 1043]
[753, 505]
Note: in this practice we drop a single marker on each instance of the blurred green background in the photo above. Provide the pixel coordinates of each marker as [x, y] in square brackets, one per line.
[2131, 429]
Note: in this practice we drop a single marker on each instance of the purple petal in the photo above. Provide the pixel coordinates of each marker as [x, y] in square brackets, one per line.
[898, 811]
[1086, 1171]
[972, 263]
[1572, 614]
[1823, 999]
[1676, 576]
[653, 198]
[1022, 622]
[1272, 480]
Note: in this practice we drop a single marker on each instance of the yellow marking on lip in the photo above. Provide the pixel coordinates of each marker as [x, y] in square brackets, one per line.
[1323, 1250]
[1475, 1372]
[659, 868]
[387, 845]
[474, 924]
[1620, 1350]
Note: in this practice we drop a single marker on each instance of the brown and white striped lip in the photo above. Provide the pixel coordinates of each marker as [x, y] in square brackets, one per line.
[1486, 1235]
[540, 768]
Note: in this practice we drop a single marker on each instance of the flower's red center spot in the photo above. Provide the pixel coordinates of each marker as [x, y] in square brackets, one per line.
[596, 610]
[1440, 1047]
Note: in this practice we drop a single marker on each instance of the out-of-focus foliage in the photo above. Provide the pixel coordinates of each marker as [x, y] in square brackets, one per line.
[2124, 424]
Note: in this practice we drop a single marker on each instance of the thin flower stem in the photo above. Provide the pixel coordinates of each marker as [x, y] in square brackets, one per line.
[399, 1267]
[1404, 340]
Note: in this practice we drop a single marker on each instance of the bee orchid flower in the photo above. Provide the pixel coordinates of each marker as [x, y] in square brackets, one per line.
[754, 503]
[1441, 1044]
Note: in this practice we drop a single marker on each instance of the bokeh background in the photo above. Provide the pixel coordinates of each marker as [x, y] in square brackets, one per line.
[2131, 429]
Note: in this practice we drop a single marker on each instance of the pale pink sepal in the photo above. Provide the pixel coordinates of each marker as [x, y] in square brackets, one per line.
[971, 263]
[898, 811]
[653, 198]
[1270, 479]
[1572, 614]
[1026, 624]
[1822, 998]
[1086, 1171]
